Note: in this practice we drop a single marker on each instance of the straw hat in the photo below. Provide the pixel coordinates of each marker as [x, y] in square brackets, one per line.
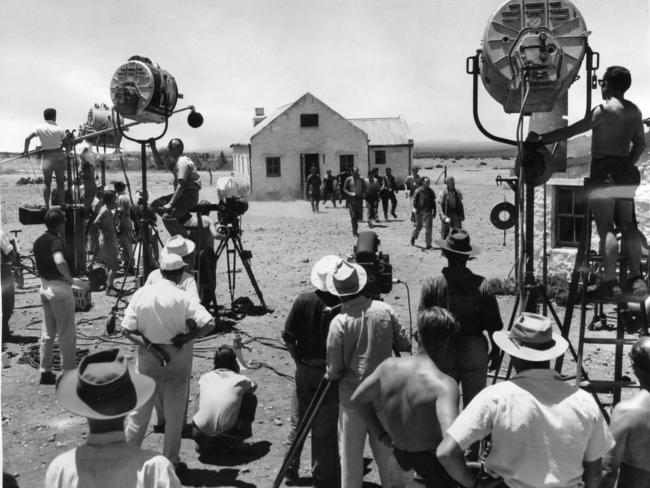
[171, 262]
[531, 338]
[323, 267]
[178, 245]
[103, 387]
[348, 279]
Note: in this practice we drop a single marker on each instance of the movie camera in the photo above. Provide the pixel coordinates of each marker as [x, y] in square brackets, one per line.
[376, 264]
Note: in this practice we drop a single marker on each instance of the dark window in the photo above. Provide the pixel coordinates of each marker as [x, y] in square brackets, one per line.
[308, 120]
[272, 167]
[346, 161]
[569, 215]
[380, 157]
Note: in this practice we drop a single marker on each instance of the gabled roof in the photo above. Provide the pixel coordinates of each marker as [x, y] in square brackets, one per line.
[384, 131]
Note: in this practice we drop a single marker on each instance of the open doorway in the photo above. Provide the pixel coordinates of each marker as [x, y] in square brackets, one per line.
[307, 161]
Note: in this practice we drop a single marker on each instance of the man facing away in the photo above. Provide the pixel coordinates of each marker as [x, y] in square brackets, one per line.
[418, 401]
[544, 432]
[452, 211]
[360, 337]
[617, 142]
[424, 211]
[187, 184]
[57, 299]
[104, 390]
[52, 156]
[354, 190]
[305, 334]
[631, 428]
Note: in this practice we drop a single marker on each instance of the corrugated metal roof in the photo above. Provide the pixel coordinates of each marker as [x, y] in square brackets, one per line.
[385, 131]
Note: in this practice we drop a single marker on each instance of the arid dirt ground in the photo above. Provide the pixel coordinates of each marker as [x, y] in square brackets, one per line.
[286, 239]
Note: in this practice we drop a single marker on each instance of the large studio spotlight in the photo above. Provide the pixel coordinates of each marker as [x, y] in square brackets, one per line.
[534, 46]
[99, 128]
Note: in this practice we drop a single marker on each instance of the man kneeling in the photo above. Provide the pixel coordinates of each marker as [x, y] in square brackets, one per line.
[419, 401]
[227, 405]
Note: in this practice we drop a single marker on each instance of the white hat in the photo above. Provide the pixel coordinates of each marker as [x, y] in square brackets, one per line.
[178, 245]
[171, 262]
[348, 279]
[531, 338]
[323, 267]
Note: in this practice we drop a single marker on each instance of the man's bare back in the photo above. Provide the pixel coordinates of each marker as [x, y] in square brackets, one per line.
[617, 123]
[413, 393]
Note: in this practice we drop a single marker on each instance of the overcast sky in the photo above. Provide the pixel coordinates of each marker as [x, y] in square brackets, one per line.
[363, 58]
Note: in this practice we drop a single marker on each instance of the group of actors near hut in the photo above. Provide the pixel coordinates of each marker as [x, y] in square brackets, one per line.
[531, 430]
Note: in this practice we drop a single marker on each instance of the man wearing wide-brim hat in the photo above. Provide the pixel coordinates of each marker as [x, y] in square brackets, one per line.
[305, 334]
[104, 389]
[360, 338]
[544, 431]
[184, 248]
[470, 298]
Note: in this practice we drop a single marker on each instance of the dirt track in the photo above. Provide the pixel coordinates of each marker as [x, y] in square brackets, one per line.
[286, 238]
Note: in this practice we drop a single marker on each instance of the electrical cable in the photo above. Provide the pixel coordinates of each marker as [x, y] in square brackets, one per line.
[521, 196]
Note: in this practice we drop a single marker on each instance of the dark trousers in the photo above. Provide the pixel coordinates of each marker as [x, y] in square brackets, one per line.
[180, 212]
[355, 205]
[373, 204]
[234, 436]
[388, 197]
[466, 361]
[325, 466]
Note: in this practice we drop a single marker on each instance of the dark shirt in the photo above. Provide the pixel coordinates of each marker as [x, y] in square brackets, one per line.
[373, 186]
[390, 184]
[328, 183]
[308, 323]
[451, 203]
[356, 185]
[44, 249]
[466, 295]
[424, 200]
[313, 184]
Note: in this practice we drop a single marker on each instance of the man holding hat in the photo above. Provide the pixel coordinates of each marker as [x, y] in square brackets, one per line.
[471, 300]
[162, 318]
[305, 333]
[545, 432]
[360, 337]
[104, 390]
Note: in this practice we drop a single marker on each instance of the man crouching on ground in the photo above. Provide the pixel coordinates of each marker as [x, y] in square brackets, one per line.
[419, 401]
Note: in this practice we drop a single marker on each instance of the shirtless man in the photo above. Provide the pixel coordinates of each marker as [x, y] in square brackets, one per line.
[419, 401]
[631, 428]
[617, 142]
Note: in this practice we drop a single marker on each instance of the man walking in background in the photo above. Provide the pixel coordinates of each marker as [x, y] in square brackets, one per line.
[355, 189]
[312, 189]
[52, 156]
[424, 211]
[388, 193]
[372, 196]
[124, 225]
[452, 212]
[343, 176]
[329, 186]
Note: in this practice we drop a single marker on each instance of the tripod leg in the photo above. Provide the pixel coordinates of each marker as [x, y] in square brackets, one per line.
[303, 428]
[249, 270]
[502, 354]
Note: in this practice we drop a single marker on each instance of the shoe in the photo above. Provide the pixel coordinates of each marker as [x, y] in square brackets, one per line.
[187, 432]
[47, 378]
[393, 214]
[429, 247]
[355, 234]
[605, 290]
[180, 469]
[638, 286]
[159, 429]
[412, 242]
[292, 476]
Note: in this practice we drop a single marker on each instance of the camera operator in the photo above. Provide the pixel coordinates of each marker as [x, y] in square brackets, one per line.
[187, 184]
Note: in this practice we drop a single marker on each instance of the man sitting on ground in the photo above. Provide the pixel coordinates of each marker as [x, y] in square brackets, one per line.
[545, 432]
[104, 390]
[227, 405]
[419, 402]
[631, 428]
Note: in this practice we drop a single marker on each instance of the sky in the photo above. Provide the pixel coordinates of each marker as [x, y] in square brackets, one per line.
[363, 58]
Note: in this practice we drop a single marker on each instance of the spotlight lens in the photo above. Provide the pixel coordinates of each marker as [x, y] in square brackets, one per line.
[195, 119]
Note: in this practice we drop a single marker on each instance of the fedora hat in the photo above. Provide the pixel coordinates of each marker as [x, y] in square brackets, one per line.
[347, 279]
[458, 241]
[323, 267]
[531, 338]
[103, 387]
[178, 245]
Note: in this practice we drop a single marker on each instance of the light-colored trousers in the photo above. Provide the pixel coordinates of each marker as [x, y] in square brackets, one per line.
[426, 219]
[352, 439]
[58, 318]
[171, 387]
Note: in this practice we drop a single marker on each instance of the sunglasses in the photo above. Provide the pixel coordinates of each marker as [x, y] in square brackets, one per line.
[602, 83]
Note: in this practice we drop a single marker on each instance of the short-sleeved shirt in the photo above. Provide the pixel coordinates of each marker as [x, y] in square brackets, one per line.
[186, 169]
[44, 249]
[187, 282]
[542, 430]
[220, 397]
[360, 337]
[50, 134]
[159, 312]
[107, 461]
[468, 296]
[355, 184]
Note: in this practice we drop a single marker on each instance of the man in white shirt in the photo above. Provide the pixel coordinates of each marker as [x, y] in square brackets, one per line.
[544, 432]
[52, 156]
[187, 184]
[227, 405]
[162, 318]
[104, 390]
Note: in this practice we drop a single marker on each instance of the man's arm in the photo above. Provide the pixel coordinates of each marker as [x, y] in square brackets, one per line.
[289, 334]
[362, 399]
[592, 474]
[638, 144]
[62, 266]
[447, 405]
[194, 333]
[335, 353]
[434, 204]
[28, 139]
[401, 340]
[594, 118]
[156, 156]
[346, 187]
[620, 428]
